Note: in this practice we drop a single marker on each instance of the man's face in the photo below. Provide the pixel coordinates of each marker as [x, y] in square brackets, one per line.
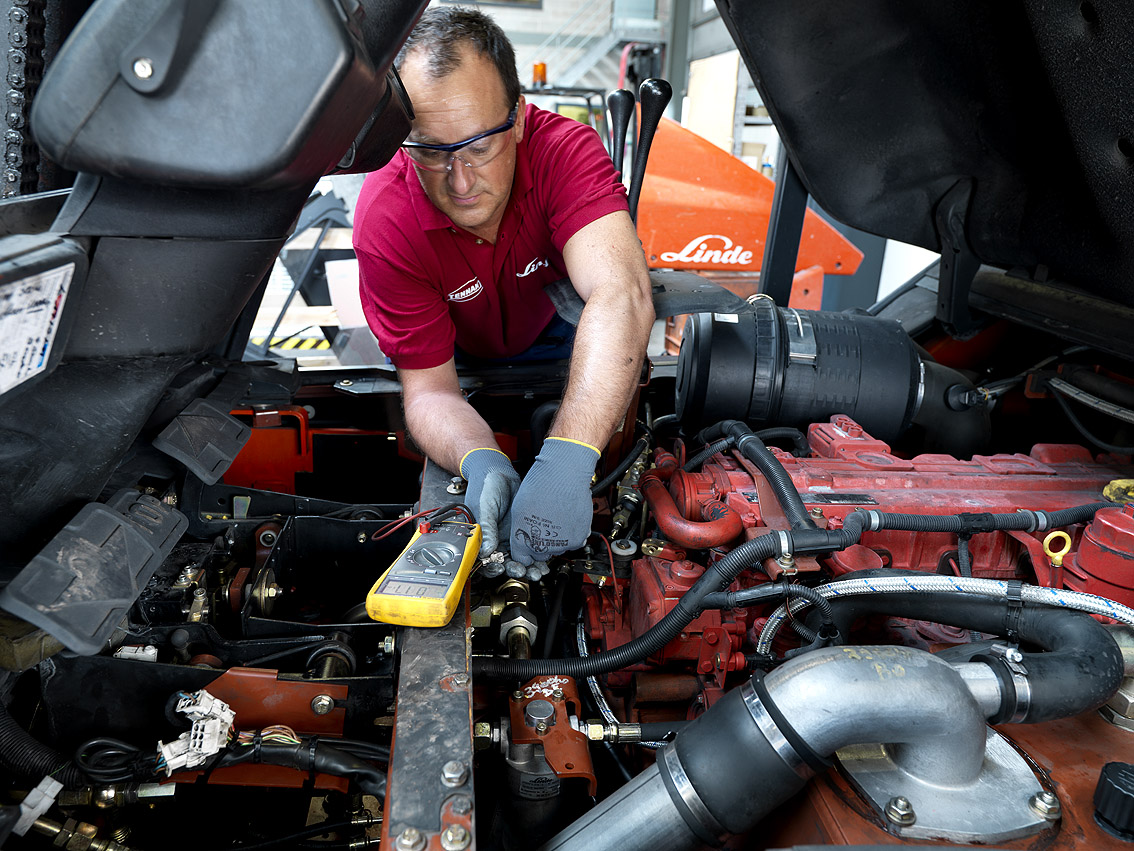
[451, 109]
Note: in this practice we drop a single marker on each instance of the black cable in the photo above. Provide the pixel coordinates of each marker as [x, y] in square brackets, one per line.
[25, 756]
[964, 557]
[553, 615]
[1082, 429]
[625, 464]
[317, 830]
[107, 760]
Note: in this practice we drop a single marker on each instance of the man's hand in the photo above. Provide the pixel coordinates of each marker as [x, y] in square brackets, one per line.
[493, 482]
[552, 511]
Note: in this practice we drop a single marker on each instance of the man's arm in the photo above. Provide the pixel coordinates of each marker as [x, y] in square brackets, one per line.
[439, 418]
[608, 269]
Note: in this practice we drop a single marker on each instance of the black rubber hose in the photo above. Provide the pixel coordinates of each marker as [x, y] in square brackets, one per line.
[798, 439]
[767, 593]
[1080, 671]
[718, 577]
[970, 523]
[28, 758]
[316, 830]
[556, 609]
[755, 451]
[658, 731]
[707, 453]
[618, 472]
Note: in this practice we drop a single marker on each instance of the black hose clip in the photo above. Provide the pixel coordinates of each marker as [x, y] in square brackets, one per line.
[1014, 602]
[257, 742]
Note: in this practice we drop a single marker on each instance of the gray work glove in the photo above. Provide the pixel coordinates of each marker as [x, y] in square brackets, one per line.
[493, 482]
[552, 512]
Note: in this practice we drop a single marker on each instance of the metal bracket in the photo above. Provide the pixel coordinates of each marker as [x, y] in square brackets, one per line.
[958, 263]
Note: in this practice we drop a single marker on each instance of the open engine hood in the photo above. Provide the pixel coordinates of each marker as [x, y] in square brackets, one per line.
[1017, 116]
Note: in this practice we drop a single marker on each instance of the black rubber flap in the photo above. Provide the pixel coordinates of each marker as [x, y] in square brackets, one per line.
[205, 439]
[81, 585]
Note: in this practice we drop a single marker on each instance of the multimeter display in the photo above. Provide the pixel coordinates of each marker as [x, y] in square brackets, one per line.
[422, 587]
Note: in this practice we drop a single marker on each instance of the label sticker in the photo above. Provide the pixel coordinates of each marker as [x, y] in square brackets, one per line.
[30, 309]
[731, 318]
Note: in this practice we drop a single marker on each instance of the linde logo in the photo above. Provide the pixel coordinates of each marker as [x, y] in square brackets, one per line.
[698, 251]
[469, 289]
[535, 264]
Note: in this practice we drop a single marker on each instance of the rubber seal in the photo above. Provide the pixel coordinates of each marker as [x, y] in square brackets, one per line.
[814, 761]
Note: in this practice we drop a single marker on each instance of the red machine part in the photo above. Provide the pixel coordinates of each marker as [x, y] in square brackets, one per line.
[1104, 562]
[566, 749]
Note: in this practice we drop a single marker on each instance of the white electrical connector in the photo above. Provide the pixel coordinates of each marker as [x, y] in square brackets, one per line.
[212, 726]
[37, 802]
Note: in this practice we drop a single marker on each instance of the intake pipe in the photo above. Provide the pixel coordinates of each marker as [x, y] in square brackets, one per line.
[720, 525]
[740, 760]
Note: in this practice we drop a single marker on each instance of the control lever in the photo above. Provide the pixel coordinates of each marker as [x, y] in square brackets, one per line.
[654, 96]
[621, 105]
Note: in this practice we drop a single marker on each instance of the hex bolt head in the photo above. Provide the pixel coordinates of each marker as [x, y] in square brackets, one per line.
[557, 694]
[541, 727]
[595, 731]
[1046, 805]
[900, 811]
[388, 645]
[362, 537]
[410, 839]
[321, 704]
[199, 594]
[518, 694]
[454, 773]
[455, 838]
[816, 512]
[143, 68]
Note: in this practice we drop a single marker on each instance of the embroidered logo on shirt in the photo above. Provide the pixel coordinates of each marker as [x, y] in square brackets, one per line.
[532, 266]
[469, 290]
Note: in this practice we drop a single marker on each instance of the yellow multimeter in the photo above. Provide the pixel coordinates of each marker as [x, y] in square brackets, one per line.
[423, 585]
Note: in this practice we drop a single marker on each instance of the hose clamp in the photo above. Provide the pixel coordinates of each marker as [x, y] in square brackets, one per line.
[875, 519]
[673, 770]
[1038, 518]
[1013, 661]
[785, 542]
[772, 732]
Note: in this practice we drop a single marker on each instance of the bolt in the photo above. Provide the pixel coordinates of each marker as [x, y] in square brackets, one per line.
[900, 811]
[321, 704]
[518, 694]
[143, 68]
[456, 485]
[594, 730]
[362, 536]
[541, 727]
[199, 594]
[462, 805]
[1014, 655]
[557, 694]
[267, 538]
[346, 382]
[1046, 805]
[816, 512]
[455, 838]
[454, 773]
[273, 590]
[388, 645]
[786, 560]
[410, 839]
[461, 679]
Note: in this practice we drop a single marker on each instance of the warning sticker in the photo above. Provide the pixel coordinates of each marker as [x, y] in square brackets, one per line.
[30, 309]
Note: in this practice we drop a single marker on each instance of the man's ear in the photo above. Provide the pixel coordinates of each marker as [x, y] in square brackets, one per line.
[519, 127]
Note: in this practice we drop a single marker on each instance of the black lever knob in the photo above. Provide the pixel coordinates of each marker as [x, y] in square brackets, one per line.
[654, 96]
[621, 105]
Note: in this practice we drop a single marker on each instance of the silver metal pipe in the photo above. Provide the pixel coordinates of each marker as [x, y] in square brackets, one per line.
[639, 815]
[1123, 636]
[907, 698]
[983, 685]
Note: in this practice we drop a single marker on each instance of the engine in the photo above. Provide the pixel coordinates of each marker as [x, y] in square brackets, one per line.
[778, 635]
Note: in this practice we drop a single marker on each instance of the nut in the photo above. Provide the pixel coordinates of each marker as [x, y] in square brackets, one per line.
[517, 617]
[816, 512]
[321, 704]
[557, 694]
[1046, 805]
[454, 773]
[1123, 700]
[900, 811]
[462, 805]
[456, 485]
[388, 645]
[482, 736]
[541, 727]
[518, 694]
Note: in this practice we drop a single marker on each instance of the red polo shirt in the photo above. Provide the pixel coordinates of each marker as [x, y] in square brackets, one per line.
[426, 283]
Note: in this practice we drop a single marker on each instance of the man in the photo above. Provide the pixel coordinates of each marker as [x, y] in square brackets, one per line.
[489, 200]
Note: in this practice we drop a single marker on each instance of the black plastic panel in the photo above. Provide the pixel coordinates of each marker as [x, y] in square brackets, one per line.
[885, 109]
[83, 583]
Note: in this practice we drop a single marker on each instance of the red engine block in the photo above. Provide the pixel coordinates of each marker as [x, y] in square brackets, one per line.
[847, 470]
